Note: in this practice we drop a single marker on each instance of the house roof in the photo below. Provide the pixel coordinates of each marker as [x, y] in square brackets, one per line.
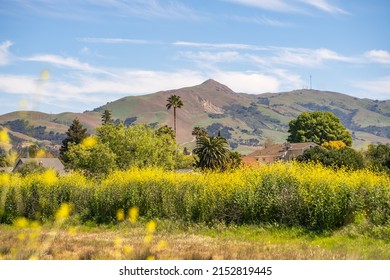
[54, 163]
[276, 150]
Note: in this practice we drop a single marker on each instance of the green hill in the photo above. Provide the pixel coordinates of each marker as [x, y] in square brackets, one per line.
[245, 120]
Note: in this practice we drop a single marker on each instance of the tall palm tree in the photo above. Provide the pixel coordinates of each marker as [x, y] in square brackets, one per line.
[174, 102]
[213, 152]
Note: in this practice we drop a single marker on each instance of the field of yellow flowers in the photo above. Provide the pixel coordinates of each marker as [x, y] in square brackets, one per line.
[292, 194]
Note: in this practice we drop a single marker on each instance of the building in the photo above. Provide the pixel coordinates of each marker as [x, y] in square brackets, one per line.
[53, 163]
[277, 152]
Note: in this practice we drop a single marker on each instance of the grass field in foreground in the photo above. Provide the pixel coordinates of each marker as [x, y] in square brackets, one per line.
[167, 240]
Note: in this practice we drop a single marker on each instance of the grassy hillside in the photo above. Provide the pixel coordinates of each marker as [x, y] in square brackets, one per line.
[246, 120]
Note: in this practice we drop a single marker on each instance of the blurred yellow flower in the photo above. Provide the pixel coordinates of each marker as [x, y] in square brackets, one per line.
[148, 238]
[63, 212]
[133, 214]
[50, 177]
[21, 236]
[120, 215]
[128, 250]
[89, 141]
[21, 222]
[162, 244]
[151, 226]
[4, 137]
[118, 242]
[45, 75]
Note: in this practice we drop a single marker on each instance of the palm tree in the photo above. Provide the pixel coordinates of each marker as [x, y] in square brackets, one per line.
[174, 102]
[199, 131]
[213, 152]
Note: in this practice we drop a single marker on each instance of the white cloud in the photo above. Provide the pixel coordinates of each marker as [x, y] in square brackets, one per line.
[288, 80]
[290, 6]
[18, 84]
[67, 62]
[308, 57]
[325, 6]
[273, 5]
[218, 46]
[205, 57]
[379, 56]
[88, 10]
[248, 82]
[5, 55]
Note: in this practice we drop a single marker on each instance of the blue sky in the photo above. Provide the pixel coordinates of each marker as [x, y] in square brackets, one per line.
[68, 55]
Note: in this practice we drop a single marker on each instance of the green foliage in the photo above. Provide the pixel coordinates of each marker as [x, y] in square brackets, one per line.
[96, 160]
[121, 147]
[106, 117]
[166, 131]
[138, 146]
[75, 134]
[199, 132]
[318, 127]
[4, 158]
[344, 157]
[378, 156]
[30, 167]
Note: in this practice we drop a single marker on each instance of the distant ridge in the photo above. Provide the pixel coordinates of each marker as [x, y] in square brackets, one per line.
[246, 120]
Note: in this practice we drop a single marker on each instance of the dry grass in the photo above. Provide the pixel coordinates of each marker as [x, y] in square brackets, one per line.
[180, 242]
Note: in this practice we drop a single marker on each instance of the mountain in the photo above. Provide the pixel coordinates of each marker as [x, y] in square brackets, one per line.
[245, 120]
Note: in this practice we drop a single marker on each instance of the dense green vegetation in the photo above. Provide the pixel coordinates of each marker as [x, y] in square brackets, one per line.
[305, 195]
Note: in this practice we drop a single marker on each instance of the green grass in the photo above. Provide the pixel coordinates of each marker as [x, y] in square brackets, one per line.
[185, 241]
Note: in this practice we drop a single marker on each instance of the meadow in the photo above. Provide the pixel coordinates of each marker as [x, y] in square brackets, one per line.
[314, 211]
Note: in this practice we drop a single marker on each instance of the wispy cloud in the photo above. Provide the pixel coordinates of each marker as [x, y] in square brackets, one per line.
[151, 9]
[116, 41]
[325, 6]
[268, 54]
[262, 20]
[5, 55]
[91, 10]
[272, 5]
[218, 46]
[66, 62]
[298, 6]
[380, 56]
[308, 57]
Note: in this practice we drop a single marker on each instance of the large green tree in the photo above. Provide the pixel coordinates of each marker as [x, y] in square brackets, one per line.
[75, 134]
[318, 127]
[174, 101]
[212, 152]
[139, 145]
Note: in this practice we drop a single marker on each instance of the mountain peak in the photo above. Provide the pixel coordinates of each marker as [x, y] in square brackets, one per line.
[214, 85]
[211, 82]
